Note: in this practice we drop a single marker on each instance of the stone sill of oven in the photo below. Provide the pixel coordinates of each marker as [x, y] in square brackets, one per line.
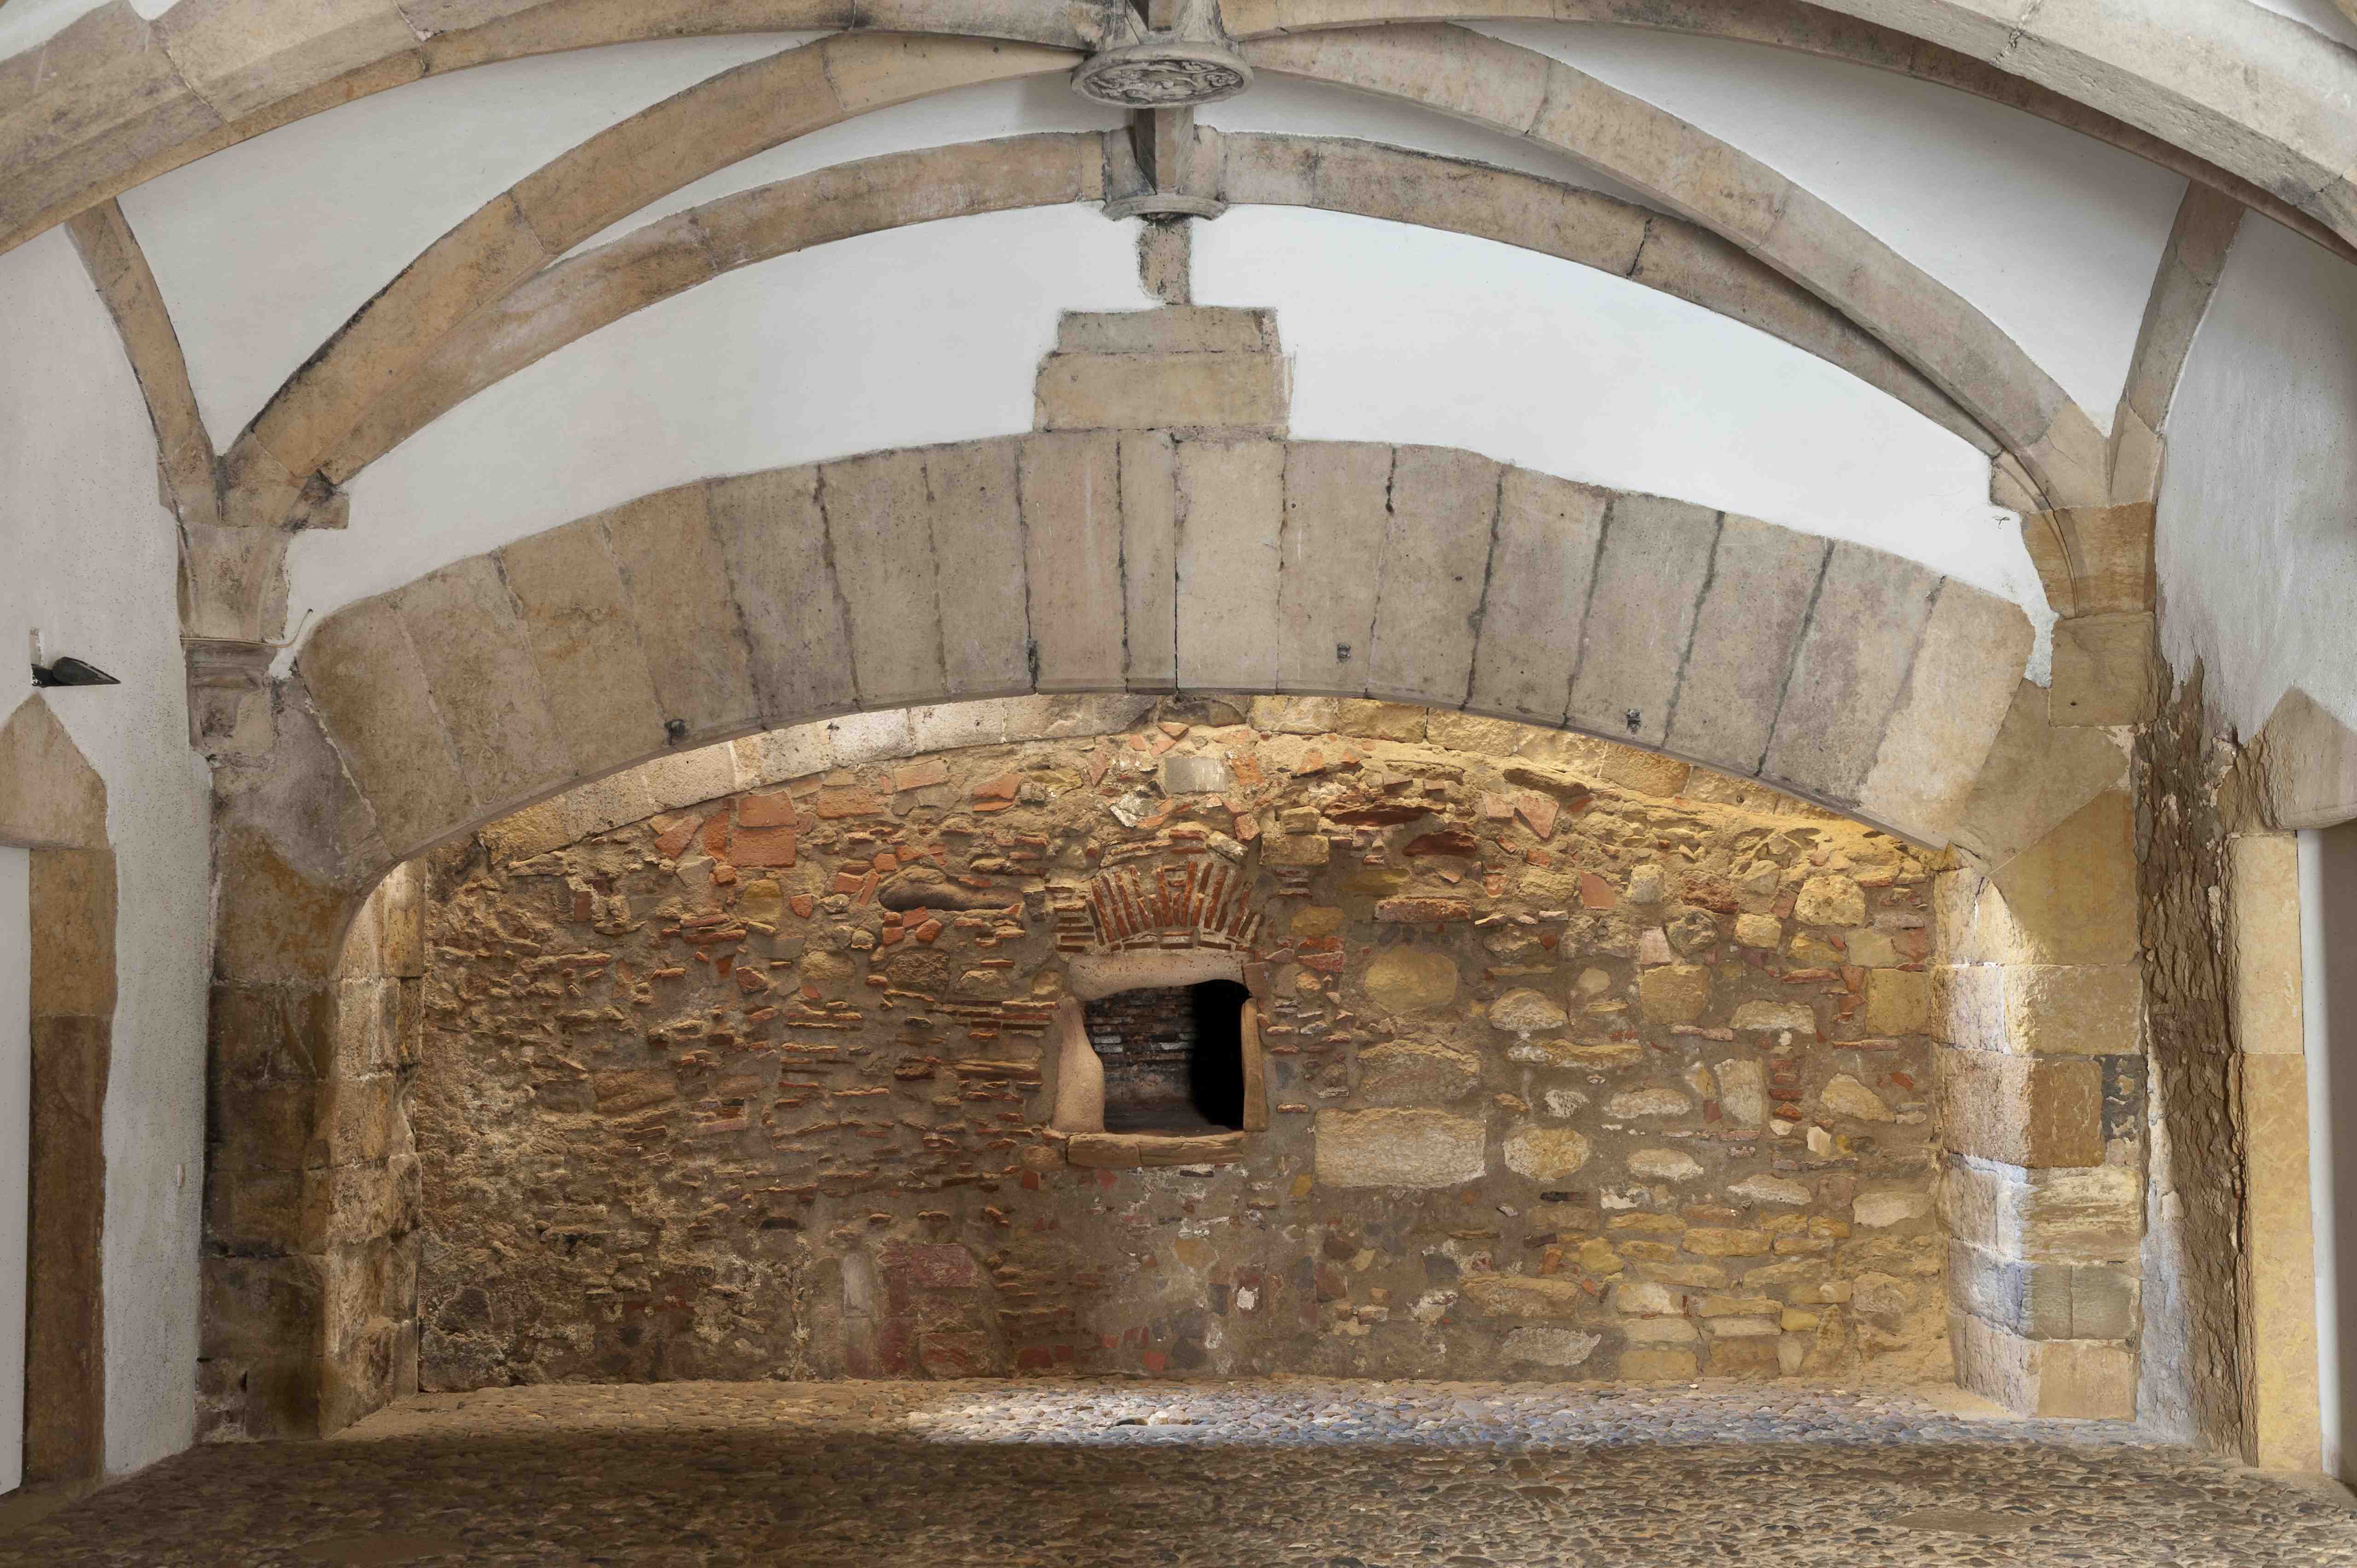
[1132, 1151]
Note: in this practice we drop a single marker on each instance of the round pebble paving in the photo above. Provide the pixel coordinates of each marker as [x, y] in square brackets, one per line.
[1312, 1472]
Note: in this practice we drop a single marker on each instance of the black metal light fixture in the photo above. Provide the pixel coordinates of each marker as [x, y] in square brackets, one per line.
[70, 671]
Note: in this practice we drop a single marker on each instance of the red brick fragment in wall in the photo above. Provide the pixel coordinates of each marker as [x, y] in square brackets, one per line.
[1539, 811]
[772, 810]
[1448, 841]
[672, 834]
[921, 775]
[1711, 893]
[1595, 892]
[999, 789]
[802, 904]
[763, 846]
[834, 803]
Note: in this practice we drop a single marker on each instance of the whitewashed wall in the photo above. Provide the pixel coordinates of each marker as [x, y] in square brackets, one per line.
[2256, 549]
[91, 560]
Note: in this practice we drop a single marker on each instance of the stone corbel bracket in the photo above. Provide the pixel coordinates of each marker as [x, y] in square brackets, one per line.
[229, 695]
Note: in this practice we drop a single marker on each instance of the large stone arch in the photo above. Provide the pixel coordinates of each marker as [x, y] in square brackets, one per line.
[1154, 559]
[114, 99]
[54, 803]
[1160, 535]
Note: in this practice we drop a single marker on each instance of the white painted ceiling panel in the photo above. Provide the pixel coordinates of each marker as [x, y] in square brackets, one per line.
[264, 249]
[2053, 236]
[1467, 342]
[2318, 16]
[923, 334]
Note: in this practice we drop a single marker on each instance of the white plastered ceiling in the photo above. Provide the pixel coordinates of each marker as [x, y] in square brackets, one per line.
[264, 249]
[933, 335]
[2052, 235]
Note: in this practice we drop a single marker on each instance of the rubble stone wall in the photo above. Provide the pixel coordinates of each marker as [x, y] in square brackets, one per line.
[1581, 1064]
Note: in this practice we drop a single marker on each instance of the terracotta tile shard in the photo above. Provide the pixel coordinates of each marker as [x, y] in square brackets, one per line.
[921, 775]
[834, 804]
[1595, 892]
[1449, 840]
[764, 846]
[1539, 811]
[802, 904]
[773, 811]
[999, 789]
[672, 834]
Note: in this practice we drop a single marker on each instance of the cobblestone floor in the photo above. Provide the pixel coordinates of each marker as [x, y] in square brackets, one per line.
[1108, 1475]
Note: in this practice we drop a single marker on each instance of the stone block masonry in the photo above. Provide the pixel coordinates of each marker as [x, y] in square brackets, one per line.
[1578, 1064]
